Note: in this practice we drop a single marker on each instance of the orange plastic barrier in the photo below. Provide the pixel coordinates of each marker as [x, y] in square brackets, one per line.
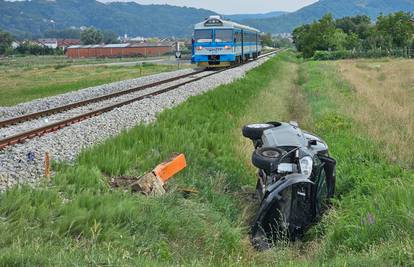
[168, 169]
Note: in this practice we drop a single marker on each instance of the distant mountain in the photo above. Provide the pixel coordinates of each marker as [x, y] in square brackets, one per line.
[241, 17]
[33, 18]
[339, 8]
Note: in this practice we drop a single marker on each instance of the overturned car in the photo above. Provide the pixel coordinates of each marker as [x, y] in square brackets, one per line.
[296, 180]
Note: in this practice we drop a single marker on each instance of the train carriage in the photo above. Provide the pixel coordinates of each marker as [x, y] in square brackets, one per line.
[219, 43]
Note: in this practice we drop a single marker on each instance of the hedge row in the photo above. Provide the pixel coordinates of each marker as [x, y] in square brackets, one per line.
[349, 54]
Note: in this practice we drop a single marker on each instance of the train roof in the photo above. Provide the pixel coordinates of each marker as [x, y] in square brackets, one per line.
[217, 21]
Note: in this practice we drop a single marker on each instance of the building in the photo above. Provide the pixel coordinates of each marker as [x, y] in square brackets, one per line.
[65, 43]
[120, 50]
[58, 43]
[48, 42]
[15, 44]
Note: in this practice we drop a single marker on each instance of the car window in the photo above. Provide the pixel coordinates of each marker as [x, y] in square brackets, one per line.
[203, 36]
[224, 36]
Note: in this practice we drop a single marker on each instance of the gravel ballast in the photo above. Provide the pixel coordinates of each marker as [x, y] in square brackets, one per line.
[83, 94]
[24, 163]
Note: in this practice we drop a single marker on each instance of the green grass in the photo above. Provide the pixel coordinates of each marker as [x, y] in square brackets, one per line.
[373, 219]
[19, 84]
[46, 61]
[78, 220]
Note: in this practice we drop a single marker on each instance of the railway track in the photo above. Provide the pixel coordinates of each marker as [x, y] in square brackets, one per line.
[39, 131]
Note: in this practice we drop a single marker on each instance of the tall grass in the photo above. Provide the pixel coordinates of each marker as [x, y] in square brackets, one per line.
[79, 220]
[384, 103]
[373, 218]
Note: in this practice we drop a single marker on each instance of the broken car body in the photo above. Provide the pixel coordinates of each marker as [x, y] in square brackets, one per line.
[296, 180]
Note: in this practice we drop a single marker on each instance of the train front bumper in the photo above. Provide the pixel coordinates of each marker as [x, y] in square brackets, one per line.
[213, 59]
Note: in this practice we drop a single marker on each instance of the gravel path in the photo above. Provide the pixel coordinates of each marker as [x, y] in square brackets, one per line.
[64, 145]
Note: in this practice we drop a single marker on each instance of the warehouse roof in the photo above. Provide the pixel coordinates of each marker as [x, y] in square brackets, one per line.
[116, 45]
[160, 44]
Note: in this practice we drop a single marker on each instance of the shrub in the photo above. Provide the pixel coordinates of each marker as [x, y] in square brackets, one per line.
[374, 53]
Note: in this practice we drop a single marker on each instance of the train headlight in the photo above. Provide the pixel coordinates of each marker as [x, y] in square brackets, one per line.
[199, 48]
[227, 47]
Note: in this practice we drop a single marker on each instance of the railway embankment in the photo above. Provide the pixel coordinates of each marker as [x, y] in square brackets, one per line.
[24, 163]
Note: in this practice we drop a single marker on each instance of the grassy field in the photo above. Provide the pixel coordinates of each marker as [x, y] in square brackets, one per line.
[77, 219]
[35, 77]
[44, 61]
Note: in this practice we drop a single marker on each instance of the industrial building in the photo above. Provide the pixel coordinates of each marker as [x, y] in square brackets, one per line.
[120, 50]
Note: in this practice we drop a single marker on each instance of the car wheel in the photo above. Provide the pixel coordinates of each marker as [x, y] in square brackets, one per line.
[255, 131]
[267, 158]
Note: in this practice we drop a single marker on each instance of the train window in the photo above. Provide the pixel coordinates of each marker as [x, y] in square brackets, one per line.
[224, 36]
[252, 38]
[237, 36]
[203, 36]
[248, 37]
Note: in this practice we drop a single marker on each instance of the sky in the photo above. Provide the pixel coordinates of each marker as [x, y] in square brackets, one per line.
[227, 7]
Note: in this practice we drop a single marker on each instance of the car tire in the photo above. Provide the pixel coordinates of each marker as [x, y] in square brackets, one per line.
[255, 131]
[267, 158]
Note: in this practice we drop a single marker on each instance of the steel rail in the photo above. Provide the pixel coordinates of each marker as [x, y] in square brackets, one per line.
[21, 137]
[43, 113]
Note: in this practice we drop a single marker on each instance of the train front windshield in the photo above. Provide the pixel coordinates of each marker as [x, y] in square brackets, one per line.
[203, 36]
[224, 36]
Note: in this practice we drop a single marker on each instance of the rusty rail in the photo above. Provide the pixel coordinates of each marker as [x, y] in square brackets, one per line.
[21, 137]
[43, 113]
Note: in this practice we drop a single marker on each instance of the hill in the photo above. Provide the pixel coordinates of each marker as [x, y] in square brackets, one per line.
[339, 8]
[241, 17]
[33, 18]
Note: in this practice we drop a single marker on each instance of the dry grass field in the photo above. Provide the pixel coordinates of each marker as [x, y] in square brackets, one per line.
[383, 103]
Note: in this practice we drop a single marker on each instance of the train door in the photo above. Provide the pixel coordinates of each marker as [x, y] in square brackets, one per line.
[242, 46]
[257, 48]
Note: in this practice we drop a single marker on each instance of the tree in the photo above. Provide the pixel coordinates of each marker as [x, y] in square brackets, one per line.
[267, 39]
[397, 27]
[358, 25]
[319, 35]
[29, 48]
[352, 42]
[110, 37]
[91, 36]
[300, 35]
[280, 42]
[6, 40]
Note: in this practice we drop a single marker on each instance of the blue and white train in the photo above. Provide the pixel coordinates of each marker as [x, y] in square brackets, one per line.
[219, 43]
